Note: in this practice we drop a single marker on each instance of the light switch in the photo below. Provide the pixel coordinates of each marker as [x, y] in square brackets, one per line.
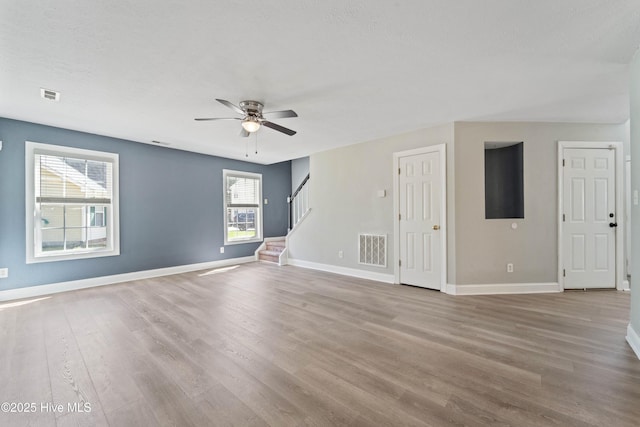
[266, 201]
[382, 193]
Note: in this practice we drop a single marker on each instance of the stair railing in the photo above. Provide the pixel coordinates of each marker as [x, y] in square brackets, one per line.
[298, 203]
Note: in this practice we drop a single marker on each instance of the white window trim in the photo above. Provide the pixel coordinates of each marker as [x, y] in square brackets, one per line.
[33, 148]
[259, 233]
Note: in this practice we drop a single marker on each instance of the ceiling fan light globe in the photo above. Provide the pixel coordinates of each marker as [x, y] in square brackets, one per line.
[251, 125]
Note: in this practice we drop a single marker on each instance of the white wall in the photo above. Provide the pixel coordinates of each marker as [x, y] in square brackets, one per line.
[486, 246]
[343, 187]
[635, 185]
[344, 183]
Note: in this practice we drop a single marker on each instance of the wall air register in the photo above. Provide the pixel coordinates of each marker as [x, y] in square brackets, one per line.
[372, 249]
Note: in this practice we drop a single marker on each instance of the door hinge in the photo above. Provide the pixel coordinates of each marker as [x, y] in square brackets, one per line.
[398, 171]
[563, 218]
[399, 263]
[562, 162]
[564, 273]
[399, 217]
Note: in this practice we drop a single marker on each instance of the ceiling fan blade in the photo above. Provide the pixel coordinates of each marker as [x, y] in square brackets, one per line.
[279, 128]
[243, 133]
[218, 118]
[232, 106]
[280, 114]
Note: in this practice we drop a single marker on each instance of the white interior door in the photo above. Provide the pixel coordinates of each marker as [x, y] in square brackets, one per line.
[420, 190]
[589, 208]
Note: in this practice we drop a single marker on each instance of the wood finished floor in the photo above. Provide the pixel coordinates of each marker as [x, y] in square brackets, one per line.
[282, 346]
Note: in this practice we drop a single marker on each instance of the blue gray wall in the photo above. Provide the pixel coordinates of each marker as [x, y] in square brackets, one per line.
[171, 209]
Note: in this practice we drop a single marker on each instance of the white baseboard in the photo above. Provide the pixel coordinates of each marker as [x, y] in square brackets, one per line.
[503, 288]
[345, 271]
[449, 289]
[634, 340]
[54, 288]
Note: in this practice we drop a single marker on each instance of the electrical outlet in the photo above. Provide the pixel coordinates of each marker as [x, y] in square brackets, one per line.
[221, 249]
[340, 254]
[4, 273]
[509, 268]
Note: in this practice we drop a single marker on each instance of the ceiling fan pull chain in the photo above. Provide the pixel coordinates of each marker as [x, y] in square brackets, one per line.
[256, 134]
[246, 153]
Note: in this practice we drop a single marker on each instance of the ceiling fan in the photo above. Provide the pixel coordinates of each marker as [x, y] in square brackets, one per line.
[253, 117]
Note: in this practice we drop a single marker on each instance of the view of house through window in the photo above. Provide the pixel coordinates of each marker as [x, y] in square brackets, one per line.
[72, 201]
[242, 206]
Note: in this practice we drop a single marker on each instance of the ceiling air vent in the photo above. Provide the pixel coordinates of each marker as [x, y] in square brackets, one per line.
[160, 142]
[49, 94]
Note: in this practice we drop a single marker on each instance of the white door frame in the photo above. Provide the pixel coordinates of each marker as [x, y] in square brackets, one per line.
[442, 149]
[617, 147]
[627, 222]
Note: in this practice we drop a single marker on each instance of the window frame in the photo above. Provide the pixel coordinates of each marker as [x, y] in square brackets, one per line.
[31, 214]
[259, 208]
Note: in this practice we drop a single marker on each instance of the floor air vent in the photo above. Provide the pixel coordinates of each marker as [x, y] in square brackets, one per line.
[372, 249]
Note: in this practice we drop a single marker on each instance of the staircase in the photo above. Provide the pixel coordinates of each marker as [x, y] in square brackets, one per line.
[272, 251]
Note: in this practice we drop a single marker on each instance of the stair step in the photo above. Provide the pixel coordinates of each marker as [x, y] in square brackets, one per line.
[277, 243]
[270, 258]
[278, 249]
[270, 253]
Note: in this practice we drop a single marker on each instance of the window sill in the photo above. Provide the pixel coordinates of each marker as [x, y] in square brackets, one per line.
[71, 257]
[240, 242]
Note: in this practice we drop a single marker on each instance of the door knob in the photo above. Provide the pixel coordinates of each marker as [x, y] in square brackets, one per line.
[613, 224]
[436, 227]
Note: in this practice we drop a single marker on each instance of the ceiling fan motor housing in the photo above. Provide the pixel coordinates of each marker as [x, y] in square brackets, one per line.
[252, 108]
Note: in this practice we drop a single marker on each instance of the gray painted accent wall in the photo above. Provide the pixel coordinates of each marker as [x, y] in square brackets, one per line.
[299, 170]
[171, 210]
[484, 247]
[635, 185]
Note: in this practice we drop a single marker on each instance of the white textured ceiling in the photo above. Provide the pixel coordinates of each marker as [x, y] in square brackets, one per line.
[353, 70]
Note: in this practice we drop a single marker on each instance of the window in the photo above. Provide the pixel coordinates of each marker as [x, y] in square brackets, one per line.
[72, 203]
[242, 211]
